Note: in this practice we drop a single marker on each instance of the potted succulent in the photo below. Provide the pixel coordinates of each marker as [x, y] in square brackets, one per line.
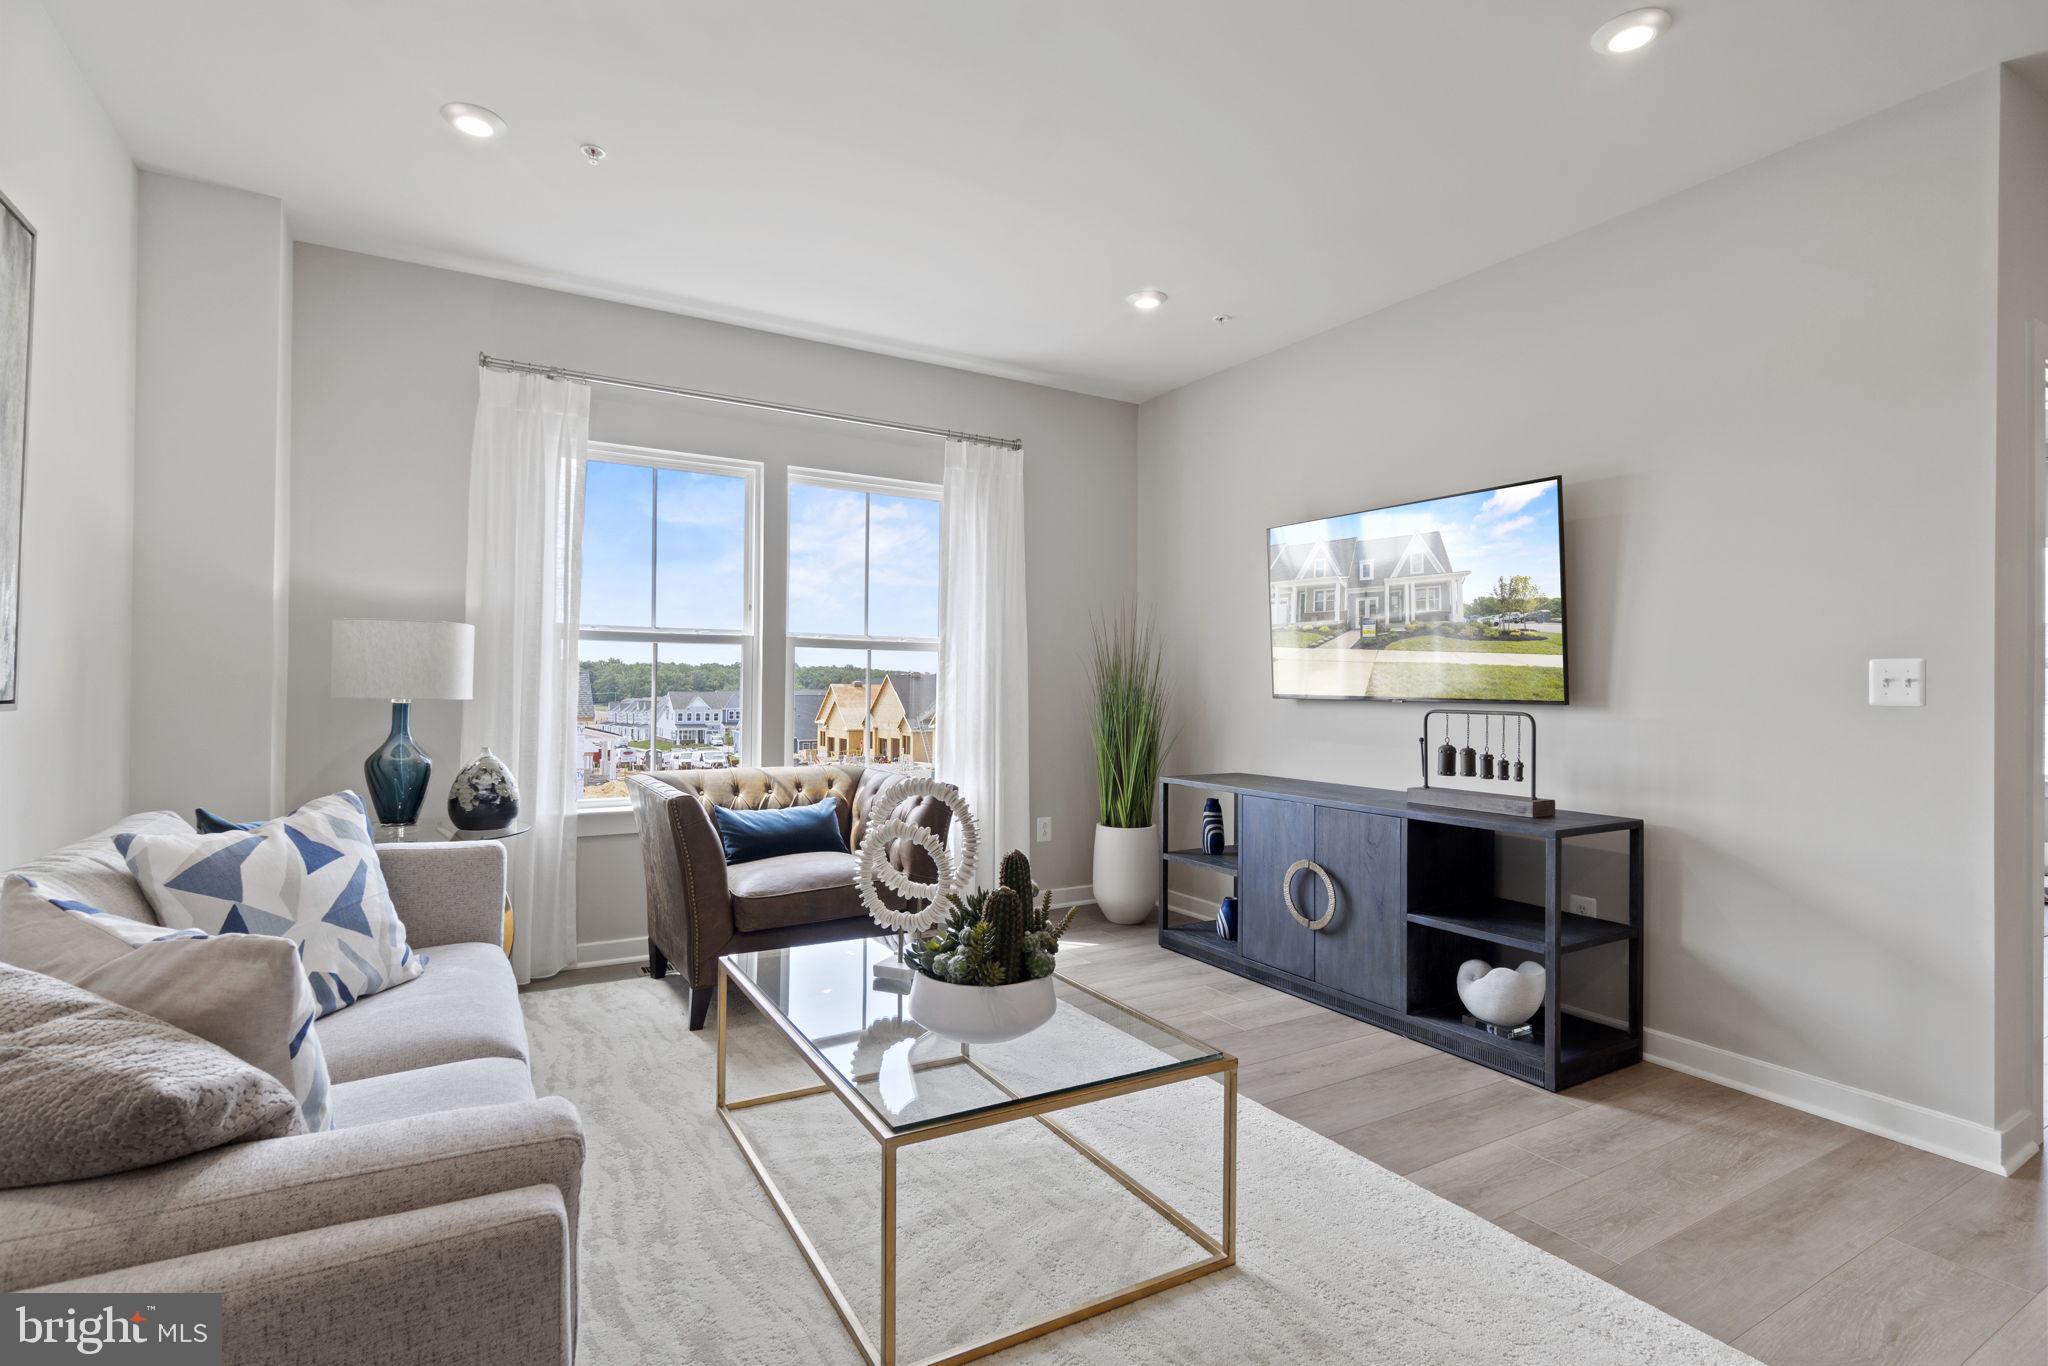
[1129, 728]
[985, 974]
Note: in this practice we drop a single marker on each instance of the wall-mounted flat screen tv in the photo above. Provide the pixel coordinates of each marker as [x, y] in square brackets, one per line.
[1452, 599]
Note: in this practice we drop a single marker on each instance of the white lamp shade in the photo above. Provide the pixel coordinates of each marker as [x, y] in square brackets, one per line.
[404, 660]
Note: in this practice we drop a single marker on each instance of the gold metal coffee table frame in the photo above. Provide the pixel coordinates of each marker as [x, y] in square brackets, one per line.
[1221, 1252]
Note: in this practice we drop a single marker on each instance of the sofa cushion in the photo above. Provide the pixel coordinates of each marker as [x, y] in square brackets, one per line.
[795, 889]
[749, 836]
[88, 1088]
[430, 1090]
[95, 871]
[247, 993]
[311, 877]
[466, 1007]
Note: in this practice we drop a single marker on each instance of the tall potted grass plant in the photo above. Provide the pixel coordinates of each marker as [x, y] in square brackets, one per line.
[1130, 700]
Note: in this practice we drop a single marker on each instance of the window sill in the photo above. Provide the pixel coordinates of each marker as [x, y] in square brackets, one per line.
[598, 821]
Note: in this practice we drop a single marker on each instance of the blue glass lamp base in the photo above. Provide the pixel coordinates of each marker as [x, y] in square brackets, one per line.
[397, 773]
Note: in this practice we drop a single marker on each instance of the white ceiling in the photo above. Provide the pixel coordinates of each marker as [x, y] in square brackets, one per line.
[981, 182]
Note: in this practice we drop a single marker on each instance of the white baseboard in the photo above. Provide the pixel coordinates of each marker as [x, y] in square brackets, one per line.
[1187, 903]
[1063, 897]
[2002, 1150]
[604, 953]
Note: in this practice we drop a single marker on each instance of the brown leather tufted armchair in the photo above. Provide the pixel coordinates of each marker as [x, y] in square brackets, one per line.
[699, 909]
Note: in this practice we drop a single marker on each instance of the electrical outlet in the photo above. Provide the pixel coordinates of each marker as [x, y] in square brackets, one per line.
[1045, 830]
[1585, 905]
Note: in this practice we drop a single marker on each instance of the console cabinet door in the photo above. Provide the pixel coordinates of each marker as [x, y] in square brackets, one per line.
[1271, 835]
[1362, 951]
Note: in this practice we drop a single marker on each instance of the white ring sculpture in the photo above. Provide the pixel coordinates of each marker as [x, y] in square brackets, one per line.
[928, 899]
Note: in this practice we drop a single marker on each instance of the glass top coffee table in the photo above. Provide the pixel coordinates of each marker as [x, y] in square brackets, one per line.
[858, 1038]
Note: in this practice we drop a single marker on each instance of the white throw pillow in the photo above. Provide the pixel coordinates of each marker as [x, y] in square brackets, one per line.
[245, 993]
[311, 877]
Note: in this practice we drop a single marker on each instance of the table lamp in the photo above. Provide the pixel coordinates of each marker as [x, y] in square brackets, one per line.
[402, 661]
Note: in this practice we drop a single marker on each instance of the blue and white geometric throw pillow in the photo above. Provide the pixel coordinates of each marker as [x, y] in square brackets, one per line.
[311, 877]
[246, 995]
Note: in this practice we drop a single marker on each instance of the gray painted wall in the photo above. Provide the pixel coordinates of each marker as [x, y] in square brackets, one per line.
[213, 340]
[384, 397]
[1783, 375]
[64, 744]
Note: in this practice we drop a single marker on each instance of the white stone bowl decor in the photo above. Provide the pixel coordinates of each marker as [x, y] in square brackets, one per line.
[1503, 997]
[955, 866]
[981, 1014]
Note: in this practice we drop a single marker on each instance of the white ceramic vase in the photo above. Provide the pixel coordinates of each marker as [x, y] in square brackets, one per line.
[1505, 997]
[1126, 872]
[981, 1014]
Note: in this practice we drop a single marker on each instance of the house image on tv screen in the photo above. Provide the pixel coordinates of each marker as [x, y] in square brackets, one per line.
[1452, 598]
[1367, 584]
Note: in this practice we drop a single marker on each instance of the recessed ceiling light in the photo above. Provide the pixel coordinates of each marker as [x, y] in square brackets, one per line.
[473, 120]
[593, 153]
[1631, 32]
[1145, 300]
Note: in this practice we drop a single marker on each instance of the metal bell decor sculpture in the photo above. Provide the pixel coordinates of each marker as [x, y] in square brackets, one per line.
[1485, 767]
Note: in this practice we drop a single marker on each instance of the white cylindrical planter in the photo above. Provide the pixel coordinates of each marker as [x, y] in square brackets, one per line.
[1126, 872]
[981, 1014]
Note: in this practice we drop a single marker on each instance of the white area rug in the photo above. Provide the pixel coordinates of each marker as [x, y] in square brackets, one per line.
[683, 1260]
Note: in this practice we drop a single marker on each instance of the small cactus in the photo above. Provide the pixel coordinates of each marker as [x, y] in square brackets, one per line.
[1006, 915]
[1016, 875]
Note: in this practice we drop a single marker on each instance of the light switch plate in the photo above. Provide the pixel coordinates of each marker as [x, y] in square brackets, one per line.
[1898, 682]
[1044, 833]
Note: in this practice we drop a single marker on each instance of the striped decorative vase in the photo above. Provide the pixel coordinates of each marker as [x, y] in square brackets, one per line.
[1226, 918]
[1212, 826]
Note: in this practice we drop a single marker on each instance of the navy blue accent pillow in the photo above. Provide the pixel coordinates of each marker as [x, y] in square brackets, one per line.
[206, 823]
[751, 835]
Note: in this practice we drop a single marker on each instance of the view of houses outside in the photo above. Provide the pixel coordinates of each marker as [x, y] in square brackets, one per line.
[1456, 597]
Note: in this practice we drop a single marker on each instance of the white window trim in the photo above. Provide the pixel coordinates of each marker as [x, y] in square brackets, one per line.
[793, 641]
[748, 637]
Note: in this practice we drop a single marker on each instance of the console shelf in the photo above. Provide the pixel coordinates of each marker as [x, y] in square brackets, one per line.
[1411, 893]
[1519, 925]
[1225, 862]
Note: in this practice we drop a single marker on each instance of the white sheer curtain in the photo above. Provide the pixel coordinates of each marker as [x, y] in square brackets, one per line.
[525, 550]
[984, 711]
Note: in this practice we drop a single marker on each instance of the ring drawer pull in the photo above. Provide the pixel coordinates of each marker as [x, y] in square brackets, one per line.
[1329, 892]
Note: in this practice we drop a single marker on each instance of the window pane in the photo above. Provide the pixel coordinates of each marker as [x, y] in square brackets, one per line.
[613, 700]
[699, 701]
[903, 566]
[701, 547]
[827, 557]
[827, 720]
[877, 705]
[905, 714]
[618, 544]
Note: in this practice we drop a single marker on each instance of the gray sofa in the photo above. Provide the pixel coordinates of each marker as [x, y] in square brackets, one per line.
[436, 1220]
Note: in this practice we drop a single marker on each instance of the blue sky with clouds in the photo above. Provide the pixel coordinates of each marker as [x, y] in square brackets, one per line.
[690, 527]
[1496, 534]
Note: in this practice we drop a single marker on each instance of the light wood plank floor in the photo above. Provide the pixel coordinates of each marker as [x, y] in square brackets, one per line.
[1798, 1240]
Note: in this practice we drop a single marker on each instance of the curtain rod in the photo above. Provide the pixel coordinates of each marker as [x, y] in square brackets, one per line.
[490, 362]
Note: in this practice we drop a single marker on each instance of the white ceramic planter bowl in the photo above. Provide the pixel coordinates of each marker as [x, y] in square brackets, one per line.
[981, 1014]
[1506, 997]
[1126, 872]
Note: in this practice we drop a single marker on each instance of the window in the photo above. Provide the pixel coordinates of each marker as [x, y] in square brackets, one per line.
[668, 624]
[863, 618]
[1419, 563]
[1322, 601]
[1364, 570]
[1429, 597]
